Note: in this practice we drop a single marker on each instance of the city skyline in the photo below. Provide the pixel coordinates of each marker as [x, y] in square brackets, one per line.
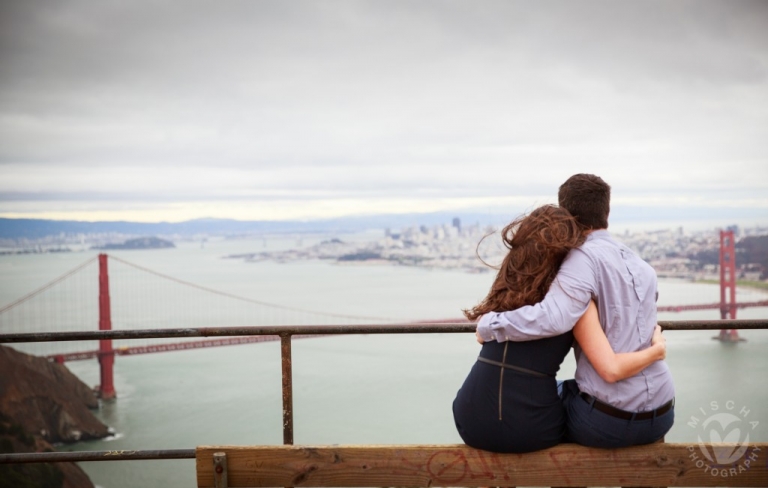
[306, 110]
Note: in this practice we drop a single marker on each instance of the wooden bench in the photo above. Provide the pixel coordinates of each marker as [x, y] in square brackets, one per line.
[659, 464]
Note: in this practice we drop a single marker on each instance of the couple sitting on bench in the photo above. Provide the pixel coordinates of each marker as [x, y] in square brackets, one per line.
[565, 278]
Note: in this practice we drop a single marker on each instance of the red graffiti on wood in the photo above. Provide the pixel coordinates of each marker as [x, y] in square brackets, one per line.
[564, 472]
[447, 466]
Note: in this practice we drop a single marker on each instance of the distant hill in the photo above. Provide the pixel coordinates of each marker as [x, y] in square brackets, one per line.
[38, 228]
[754, 249]
[492, 215]
[139, 243]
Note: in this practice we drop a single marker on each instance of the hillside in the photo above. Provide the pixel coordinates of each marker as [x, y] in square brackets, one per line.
[42, 403]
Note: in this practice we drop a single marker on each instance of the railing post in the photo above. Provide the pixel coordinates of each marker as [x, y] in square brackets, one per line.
[220, 474]
[285, 355]
[106, 353]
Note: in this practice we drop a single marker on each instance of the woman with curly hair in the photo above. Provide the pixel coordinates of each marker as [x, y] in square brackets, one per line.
[510, 401]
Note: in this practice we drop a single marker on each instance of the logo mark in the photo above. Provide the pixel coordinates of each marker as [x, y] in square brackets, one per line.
[723, 439]
[724, 427]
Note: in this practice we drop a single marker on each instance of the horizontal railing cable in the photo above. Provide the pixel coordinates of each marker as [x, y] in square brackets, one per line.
[79, 456]
[290, 330]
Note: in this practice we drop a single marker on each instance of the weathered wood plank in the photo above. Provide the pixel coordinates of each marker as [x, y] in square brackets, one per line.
[459, 465]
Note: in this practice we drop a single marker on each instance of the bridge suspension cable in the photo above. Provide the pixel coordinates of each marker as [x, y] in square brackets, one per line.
[244, 299]
[48, 285]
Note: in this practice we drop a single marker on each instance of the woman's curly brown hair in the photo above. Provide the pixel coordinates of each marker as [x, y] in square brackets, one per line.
[537, 245]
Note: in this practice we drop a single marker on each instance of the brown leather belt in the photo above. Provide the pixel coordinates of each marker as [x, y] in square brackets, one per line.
[623, 414]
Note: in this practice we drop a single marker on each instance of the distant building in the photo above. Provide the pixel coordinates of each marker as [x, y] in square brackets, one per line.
[457, 223]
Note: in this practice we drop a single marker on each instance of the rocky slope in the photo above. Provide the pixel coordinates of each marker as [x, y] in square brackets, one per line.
[42, 402]
[13, 438]
[46, 399]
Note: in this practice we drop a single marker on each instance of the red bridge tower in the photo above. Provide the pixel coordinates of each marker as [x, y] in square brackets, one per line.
[106, 353]
[727, 284]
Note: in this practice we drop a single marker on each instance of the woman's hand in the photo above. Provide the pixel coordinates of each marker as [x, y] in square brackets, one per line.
[611, 366]
[659, 341]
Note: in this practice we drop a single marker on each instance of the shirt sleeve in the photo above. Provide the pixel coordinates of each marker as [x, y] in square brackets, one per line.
[564, 304]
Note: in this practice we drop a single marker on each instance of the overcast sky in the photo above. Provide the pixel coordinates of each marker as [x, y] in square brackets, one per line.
[163, 110]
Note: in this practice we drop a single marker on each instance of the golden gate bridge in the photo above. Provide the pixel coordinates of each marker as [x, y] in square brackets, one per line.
[125, 296]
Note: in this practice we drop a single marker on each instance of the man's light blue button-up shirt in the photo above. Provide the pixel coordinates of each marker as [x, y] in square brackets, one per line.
[624, 287]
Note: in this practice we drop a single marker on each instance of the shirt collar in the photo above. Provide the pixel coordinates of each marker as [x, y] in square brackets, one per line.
[598, 234]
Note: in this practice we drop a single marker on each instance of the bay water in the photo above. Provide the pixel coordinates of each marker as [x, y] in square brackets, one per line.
[358, 389]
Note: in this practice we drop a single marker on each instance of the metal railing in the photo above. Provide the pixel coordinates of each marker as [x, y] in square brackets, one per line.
[285, 333]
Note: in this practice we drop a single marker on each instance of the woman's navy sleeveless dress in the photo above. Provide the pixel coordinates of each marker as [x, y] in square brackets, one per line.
[514, 408]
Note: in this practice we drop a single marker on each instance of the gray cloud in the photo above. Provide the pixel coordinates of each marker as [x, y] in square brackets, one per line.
[170, 101]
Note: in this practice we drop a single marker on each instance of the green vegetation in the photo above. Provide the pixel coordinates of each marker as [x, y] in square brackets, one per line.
[761, 285]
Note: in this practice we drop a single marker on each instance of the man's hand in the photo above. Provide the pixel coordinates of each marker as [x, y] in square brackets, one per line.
[659, 341]
[479, 339]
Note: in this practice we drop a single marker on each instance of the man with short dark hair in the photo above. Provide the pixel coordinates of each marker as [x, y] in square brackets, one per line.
[588, 198]
[636, 410]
